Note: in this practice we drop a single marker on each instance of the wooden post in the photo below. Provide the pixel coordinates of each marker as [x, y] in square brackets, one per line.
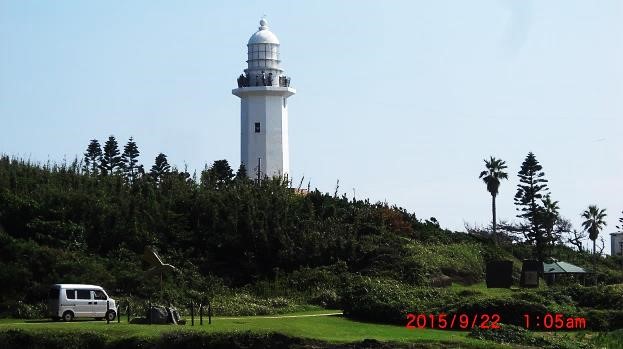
[118, 314]
[127, 310]
[149, 312]
[192, 313]
[201, 314]
[209, 312]
[107, 310]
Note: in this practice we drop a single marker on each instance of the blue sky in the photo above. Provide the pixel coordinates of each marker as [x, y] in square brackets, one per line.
[399, 100]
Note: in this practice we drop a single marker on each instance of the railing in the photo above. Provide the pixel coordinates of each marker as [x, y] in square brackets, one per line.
[262, 80]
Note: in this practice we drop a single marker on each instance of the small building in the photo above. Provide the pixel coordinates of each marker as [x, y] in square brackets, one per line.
[555, 269]
[616, 244]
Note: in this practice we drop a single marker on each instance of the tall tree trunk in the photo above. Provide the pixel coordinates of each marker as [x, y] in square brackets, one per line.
[495, 236]
[594, 246]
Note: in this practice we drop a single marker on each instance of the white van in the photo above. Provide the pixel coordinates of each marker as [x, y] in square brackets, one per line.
[69, 301]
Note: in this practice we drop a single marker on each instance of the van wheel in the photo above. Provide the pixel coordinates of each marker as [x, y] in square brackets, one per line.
[68, 316]
[111, 315]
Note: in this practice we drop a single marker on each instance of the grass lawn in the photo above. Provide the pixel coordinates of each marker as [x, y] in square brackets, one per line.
[333, 328]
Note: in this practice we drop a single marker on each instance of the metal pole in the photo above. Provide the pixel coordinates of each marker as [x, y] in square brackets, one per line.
[149, 312]
[119, 315]
[107, 310]
[201, 314]
[127, 309]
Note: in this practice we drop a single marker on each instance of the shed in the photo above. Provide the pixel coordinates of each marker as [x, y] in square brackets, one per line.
[555, 268]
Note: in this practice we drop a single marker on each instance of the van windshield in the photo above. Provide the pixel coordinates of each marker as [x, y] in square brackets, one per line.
[99, 295]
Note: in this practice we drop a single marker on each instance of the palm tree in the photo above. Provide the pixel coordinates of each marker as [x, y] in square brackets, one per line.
[549, 216]
[492, 176]
[595, 221]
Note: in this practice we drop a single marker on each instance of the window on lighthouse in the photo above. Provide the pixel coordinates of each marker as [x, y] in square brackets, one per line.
[257, 127]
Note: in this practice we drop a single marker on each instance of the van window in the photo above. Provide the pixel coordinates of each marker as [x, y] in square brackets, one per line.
[54, 293]
[84, 294]
[100, 295]
[71, 294]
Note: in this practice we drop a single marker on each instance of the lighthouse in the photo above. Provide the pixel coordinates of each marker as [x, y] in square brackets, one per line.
[264, 89]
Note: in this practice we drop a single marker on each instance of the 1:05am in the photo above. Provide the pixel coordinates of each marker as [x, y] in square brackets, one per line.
[553, 322]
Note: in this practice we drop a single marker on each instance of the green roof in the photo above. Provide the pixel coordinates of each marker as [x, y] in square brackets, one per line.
[559, 267]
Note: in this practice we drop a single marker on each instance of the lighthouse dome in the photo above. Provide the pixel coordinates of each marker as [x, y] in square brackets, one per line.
[263, 35]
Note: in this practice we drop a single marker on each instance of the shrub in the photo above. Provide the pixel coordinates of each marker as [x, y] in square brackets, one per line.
[384, 300]
[21, 310]
[518, 335]
[600, 297]
[507, 334]
[17, 338]
[510, 309]
[244, 304]
[461, 261]
[603, 320]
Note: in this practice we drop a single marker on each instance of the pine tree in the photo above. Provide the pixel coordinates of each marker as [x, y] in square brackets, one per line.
[130, 160]
[93, 157]
[531, 189]
[160, 167]
[111, 160]
[241, 174]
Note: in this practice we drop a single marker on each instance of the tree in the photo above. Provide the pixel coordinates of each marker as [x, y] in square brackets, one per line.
[222, 171]
[575, 238]
[218, 175]
[548, 217]
[594, 222]
[111, 160]
[531, 189]
[491, 177]
[129, 159]
[241, 174]
[603, 245]
[93, 157]
[160, 167]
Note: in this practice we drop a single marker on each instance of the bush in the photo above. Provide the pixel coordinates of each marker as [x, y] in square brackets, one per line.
[507, 334]
[172, 340]
[327, 299]
[461, 261]
[21, 310]
[17, 338]
[510, 308]
[244, 304]
[518, 335]
[604, 320]
[385, 300]
[600, 297]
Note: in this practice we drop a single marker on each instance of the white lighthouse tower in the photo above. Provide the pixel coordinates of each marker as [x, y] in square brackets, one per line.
[263, 90]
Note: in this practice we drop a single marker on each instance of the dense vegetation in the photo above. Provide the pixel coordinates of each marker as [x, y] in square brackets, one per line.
[257, 247]
[60, 223]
